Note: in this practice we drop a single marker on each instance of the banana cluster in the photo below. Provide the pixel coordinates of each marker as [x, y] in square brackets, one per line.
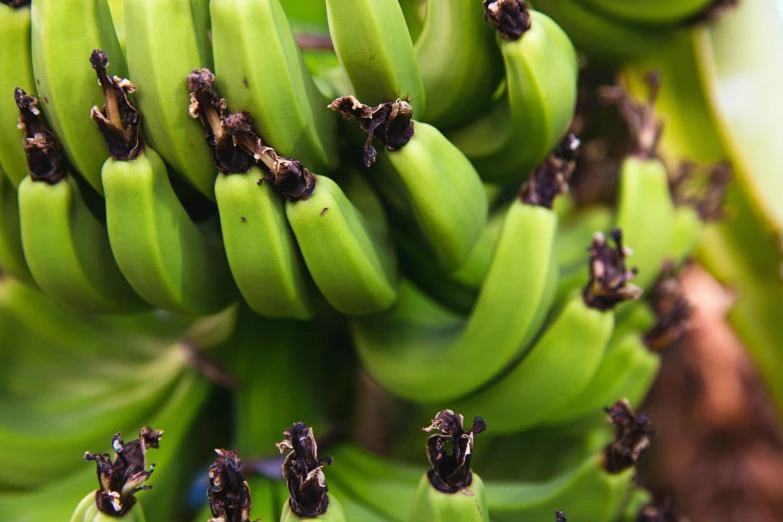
[179, 174]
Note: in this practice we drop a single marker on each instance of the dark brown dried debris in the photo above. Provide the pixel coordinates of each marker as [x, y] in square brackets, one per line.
[119, 121]
[41, 147]
[451, 473]
[632, 437]
[15, 3]
[510, 17]
[228, 492]
[550, 179]
[672, 310]
[303, 472]
[609, 283]
[390, 123]
[208, 107]
[703, 189]
[122, 478]
[560, 516]
[643, 123]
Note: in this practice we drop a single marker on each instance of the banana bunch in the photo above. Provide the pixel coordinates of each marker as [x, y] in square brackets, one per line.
[210, 187]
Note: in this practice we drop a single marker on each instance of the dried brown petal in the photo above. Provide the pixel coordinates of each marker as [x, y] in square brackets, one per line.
[632, 437]
[510, 17]
[119, 121]
[390, 123]
[451, 473]
[671, 309]
[550, 179]
[560, 516]
[15, 3]
[303, 472]
[41, 147]
[609, 283]
[228, 493]
[122, 478]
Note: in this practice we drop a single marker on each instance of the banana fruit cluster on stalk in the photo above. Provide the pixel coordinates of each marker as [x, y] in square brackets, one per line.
[177, 175]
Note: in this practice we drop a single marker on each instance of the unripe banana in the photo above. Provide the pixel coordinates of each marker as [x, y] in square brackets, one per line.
[539, 101]
[119, 480]
[12, 258]
[450, 491]
[66, 246]
[166, 39]
[404, 349]
[262, 72]
[303, 473]
[668, 12]
[16, 70]
[63, 35]
[424, 179]
[259, 243]
[375, 49]
[182, 269]
[460, 64]
[567, 354]
[645, 208]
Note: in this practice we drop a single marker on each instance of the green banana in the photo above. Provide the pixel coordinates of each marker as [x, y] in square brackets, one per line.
[414, 12]
[668, 12]
[16, 70]
[117, 9]
[12, 259]
[65, 245]
[303, 473]
[404, 349]
[460, 64]
[63, 36]
[626, 371]
[160, 56]
[567, 354]
[259, 243]
[375, 49]
[262, 72]
[596, 490]
[604, 38]
[450, 491]
[531, 118]
[645, 208]
[183, 269]
[423, 178]
[119, 480]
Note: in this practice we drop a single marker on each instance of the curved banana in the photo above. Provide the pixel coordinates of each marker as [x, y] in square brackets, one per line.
[423, 178]
[566, 355]
[670, 12]
[686, 234]
[598, 489]
[375, 49]
[165, 41]
[601, 37]
[65, 245]
[403, 350]
[524, 126]
[460, 64]
[16, 70]
[261, 71]
[645, 210]
[304, 475]
[626, 372]
[450, 491]
[259, 243]
[347, 248]
[119, 480]
[63, 36]
[12, 258]
[182, 269]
